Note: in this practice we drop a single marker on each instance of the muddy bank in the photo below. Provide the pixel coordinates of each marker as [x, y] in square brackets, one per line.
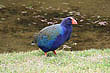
[18, 23]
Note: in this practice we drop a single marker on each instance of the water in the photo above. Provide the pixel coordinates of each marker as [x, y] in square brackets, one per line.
[19, 20]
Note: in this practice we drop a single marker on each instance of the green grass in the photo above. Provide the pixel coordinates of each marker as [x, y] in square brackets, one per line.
[88, 61]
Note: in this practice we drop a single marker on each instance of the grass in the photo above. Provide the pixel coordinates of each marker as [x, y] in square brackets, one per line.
[88, 61]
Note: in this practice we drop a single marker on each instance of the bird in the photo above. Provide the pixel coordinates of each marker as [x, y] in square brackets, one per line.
[52, 37]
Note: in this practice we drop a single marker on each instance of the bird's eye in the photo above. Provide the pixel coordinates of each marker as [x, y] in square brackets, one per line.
[70, 19]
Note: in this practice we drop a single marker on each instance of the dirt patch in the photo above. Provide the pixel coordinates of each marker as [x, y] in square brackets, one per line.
[19, 22]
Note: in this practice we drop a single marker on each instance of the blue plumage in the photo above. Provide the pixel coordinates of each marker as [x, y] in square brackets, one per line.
[52, 37]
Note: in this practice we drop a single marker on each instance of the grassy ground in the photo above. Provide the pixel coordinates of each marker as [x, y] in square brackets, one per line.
[88, 61]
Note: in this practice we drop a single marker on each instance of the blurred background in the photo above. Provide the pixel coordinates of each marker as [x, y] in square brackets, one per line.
[21, 19]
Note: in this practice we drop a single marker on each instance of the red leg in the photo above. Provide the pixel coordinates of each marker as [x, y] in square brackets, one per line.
[45, 53]
[54, 52]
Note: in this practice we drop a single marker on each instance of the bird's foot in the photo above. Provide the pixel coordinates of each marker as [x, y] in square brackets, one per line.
[54, 52]
[45, 53]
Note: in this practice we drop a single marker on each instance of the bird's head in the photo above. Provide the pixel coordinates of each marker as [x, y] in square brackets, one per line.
[69, 21]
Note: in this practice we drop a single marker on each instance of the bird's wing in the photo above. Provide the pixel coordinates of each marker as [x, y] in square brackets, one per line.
[48, 35]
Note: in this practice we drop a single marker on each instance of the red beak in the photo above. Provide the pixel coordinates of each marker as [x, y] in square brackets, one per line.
[74, 21]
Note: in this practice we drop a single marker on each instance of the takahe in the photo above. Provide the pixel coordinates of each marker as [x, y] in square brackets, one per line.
[52, 37]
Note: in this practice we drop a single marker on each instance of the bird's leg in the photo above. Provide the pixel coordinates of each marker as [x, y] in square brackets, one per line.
[54, 52]
[45, 53]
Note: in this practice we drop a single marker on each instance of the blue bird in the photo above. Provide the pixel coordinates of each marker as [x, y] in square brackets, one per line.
[52, 37]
